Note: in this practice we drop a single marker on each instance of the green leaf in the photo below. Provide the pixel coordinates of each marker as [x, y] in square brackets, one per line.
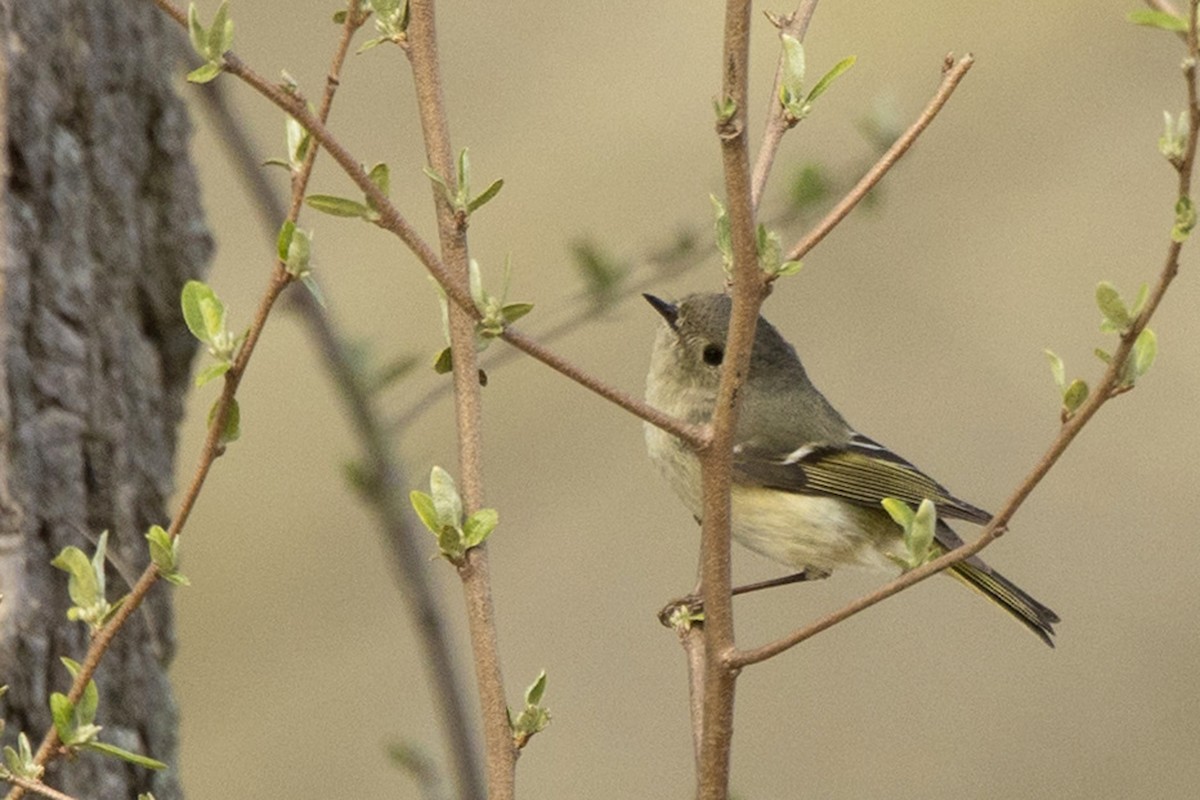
[211, 372]
[203, 311]
[1173, 142]
[82, 584]
[450, 543]
[125, 755]
[1057, 368]
[440, 183]
[164, 552]
[900, 511]
[534, 717]
[1185, 219]
[298, 260]
[514, 311]
[340, 17]
[426, 511]
[1139, 302]
[20, 762]
[464, 179]
[445, 498]
[770, 249]
[1074, 396]
[314, 288]
[724, 234]
[284, 240]
[487, 195]
[1158, 19]
[176, 579]
[475, 284]
[220, 35]
[98, 559]
[371, 44]
[479, 526]
[533, 695]
[1112, 306]
[829, 77]
[379, 176]
[920, 536]
[298, 142]
[337, 206]
[444, 363]
[1103, 355]
[726, 108]
[204, 73]
[196, 32]
[385, 8]
[1145, 350]
[89, 701]
[62, 712]
[391, 18]
[791, 85]
[233, 421]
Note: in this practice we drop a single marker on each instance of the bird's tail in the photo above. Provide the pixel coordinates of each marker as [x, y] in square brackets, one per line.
[1006, 594]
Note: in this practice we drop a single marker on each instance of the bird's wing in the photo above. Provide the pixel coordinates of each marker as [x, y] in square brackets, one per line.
[861, 471]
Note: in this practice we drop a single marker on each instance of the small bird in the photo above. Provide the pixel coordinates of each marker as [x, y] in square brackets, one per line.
[807, 488]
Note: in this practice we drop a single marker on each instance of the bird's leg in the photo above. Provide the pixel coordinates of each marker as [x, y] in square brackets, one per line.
[806, 574]
[690, 608]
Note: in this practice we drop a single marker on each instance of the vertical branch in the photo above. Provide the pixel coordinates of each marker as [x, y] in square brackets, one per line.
[749, 289]
[452, 233]
[796, 25]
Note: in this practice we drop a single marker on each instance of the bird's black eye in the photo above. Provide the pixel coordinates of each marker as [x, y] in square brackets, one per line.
[713, 354]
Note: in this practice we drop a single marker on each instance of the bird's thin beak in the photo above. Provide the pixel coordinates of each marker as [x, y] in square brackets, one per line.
[669, 311]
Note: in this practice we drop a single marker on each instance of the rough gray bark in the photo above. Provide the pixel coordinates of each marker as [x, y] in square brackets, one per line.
[101, 228]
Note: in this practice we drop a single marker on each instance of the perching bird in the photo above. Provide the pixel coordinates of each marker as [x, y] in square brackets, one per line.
[807, 488]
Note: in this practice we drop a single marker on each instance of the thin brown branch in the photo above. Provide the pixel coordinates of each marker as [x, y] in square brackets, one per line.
[749, 289]
[1108, 388]
[692, 434]
[796, 26]
[37, 787]
[500, 751]
[354, 20]
[953, 73]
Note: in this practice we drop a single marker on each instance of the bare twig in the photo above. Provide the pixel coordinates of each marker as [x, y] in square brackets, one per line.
[953, 73]
[749, 289]
[1108, 388]
[794, 25]
[37, 787]
[692, 434]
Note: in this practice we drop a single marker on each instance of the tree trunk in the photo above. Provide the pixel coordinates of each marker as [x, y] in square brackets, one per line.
[100, 228]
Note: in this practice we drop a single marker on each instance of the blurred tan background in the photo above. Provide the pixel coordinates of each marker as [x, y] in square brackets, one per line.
[923, 321]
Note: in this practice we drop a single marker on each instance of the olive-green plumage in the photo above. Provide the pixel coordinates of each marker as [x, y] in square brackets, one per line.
[807, 488]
